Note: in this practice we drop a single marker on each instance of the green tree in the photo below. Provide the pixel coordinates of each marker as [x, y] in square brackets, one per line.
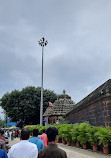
[25, 105]
[2, 123]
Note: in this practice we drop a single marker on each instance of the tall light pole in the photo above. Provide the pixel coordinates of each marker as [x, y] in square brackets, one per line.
[42, 43]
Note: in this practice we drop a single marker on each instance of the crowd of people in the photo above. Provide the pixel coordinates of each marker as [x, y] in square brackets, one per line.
[11, 133]
[5, 135]
[36, 146]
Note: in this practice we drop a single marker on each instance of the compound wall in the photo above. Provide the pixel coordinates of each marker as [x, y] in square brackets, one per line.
[96, 108]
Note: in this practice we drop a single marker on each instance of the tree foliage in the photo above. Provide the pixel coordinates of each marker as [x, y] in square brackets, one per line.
[25, 105]
[2, 123]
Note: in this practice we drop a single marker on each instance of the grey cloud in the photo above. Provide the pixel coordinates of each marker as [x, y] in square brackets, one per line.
[77, 57]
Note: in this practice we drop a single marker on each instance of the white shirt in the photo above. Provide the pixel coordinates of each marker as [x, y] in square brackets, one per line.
[23, 149]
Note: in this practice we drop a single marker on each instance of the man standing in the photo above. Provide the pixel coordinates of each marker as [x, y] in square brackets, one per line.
[44, 138]
[23, 149]
[1, 135]
[2, 141]
[36, 140]
[52, 149]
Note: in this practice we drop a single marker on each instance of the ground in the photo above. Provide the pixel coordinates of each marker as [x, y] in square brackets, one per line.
[73, 152]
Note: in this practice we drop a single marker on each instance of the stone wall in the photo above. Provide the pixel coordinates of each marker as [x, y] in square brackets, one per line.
[95, 108]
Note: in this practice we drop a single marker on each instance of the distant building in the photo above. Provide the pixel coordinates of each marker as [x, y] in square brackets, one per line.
[60, 107]
[9, 123]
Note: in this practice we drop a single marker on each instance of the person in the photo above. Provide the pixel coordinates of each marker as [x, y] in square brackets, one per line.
[6, 134]
[17, 133]
[23, 149]
[39, 135]
[2, 144]
[52, 149]
[36, 140]
[3, 154]
[1, 135]
[57, 122]
[44, 138]
[12, 135]
[2, 141]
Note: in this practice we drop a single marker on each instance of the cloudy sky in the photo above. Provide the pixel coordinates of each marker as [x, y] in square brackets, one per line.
[77, 57]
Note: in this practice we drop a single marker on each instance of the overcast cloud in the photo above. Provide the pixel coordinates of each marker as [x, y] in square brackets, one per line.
[77, 57]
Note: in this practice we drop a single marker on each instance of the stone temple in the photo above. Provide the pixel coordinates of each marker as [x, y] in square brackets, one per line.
[60, 107]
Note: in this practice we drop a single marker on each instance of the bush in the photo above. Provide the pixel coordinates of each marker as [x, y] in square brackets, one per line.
[67, 132]
[83, 131]
[104, 136]
[93, 135]
[75, 131]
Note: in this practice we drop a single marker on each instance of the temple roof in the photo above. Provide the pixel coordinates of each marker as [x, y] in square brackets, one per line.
[61, 106]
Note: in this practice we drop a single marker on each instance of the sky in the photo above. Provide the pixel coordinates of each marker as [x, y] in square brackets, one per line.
[77, 57]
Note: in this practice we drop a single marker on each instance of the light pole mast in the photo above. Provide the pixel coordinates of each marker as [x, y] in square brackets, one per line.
[42, 43]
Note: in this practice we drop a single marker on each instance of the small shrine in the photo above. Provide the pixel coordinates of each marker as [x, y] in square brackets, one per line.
[56, 110]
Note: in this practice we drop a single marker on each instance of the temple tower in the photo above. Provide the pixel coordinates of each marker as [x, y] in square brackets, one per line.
[56, 110]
